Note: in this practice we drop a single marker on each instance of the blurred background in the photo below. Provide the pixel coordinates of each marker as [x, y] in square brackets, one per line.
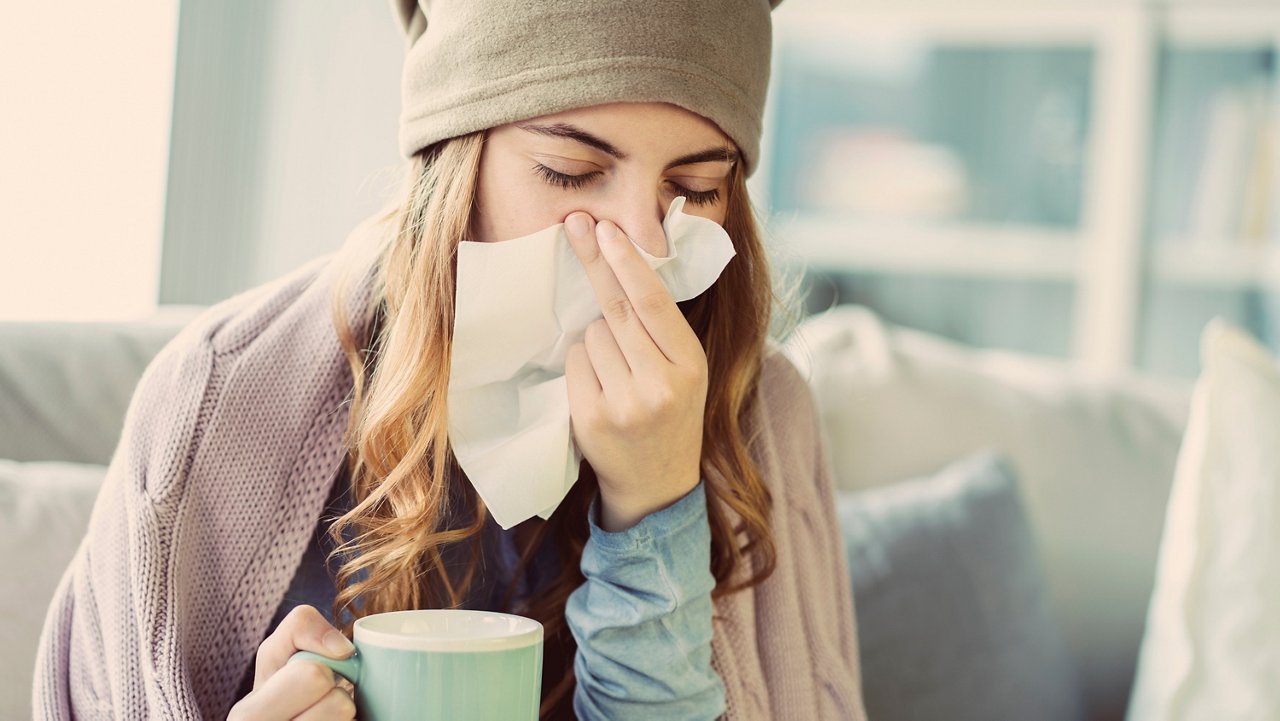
[1086, 180]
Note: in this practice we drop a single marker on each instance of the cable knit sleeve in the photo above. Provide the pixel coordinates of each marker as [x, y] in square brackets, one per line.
[809, 599]
[642, 620]
[830, 552]
[92, 660]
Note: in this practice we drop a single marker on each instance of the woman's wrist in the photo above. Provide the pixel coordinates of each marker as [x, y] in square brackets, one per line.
[620, 514]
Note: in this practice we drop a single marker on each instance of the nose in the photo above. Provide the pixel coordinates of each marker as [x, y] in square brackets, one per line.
[640, 216]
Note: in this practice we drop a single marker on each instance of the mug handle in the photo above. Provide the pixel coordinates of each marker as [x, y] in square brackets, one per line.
[348, 668]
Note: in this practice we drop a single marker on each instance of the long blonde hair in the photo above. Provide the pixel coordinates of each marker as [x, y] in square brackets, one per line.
[412, 501]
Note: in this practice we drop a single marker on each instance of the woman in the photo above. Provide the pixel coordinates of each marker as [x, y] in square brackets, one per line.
[693, 570]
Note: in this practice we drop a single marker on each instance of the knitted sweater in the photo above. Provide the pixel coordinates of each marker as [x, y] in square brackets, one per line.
[229, 449]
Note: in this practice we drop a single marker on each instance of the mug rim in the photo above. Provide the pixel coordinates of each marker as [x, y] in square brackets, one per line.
[528, 633]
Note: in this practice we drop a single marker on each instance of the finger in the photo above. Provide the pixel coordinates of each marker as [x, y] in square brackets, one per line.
[289, 692]
[638, 348]
[304, 629]
[606, 357]
[345, 685]
[653, 303]
[335, 705]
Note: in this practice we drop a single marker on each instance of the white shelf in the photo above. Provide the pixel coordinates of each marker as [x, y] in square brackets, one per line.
[994, 22]
[1217, 24]
[1224, 263]
[972, 250]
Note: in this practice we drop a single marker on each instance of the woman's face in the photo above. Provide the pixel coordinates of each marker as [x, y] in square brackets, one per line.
[624, 162]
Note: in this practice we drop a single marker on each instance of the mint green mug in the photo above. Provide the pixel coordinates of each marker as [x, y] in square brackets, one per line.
[443, 665]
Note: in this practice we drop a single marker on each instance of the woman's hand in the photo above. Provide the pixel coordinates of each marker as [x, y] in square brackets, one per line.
[303, 690]
[637, 383]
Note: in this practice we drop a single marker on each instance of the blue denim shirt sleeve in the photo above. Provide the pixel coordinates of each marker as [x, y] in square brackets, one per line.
[642, 620]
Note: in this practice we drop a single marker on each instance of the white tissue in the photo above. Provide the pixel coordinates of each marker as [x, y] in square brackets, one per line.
[520, 304]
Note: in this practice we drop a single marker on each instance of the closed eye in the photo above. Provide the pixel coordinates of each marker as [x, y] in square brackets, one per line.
[573, 182]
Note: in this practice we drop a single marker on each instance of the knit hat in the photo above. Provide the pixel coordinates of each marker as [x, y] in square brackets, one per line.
[476, 64]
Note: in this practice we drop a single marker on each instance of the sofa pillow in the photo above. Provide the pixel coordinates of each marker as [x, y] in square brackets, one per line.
[44, 511]
[1094, 456]
[1212, 643]
[953, 617]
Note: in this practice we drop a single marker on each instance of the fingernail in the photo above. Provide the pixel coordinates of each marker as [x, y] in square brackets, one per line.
[606, 231]
[576, 224]
[337, 644]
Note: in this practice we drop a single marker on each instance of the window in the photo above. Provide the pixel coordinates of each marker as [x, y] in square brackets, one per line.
[84, 138]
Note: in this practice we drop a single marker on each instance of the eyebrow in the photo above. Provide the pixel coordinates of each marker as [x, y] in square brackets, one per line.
[573, 132]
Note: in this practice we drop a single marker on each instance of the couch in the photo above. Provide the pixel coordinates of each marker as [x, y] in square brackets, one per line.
[1089, 460]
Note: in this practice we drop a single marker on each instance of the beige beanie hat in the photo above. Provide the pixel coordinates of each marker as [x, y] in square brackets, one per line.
[476, 64]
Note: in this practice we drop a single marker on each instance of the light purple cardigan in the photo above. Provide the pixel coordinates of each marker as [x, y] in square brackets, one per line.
[230, 444]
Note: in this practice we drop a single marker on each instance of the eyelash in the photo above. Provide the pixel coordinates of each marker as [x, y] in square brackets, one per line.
[697, 197]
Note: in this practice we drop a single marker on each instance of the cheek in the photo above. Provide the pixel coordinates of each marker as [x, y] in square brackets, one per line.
[512, 202]
[516, 209]
[717, 212]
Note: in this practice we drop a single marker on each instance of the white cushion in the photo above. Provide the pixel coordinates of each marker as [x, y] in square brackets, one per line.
[44, 511]
[1212, 645]
[1095, 457]
[65, 387]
